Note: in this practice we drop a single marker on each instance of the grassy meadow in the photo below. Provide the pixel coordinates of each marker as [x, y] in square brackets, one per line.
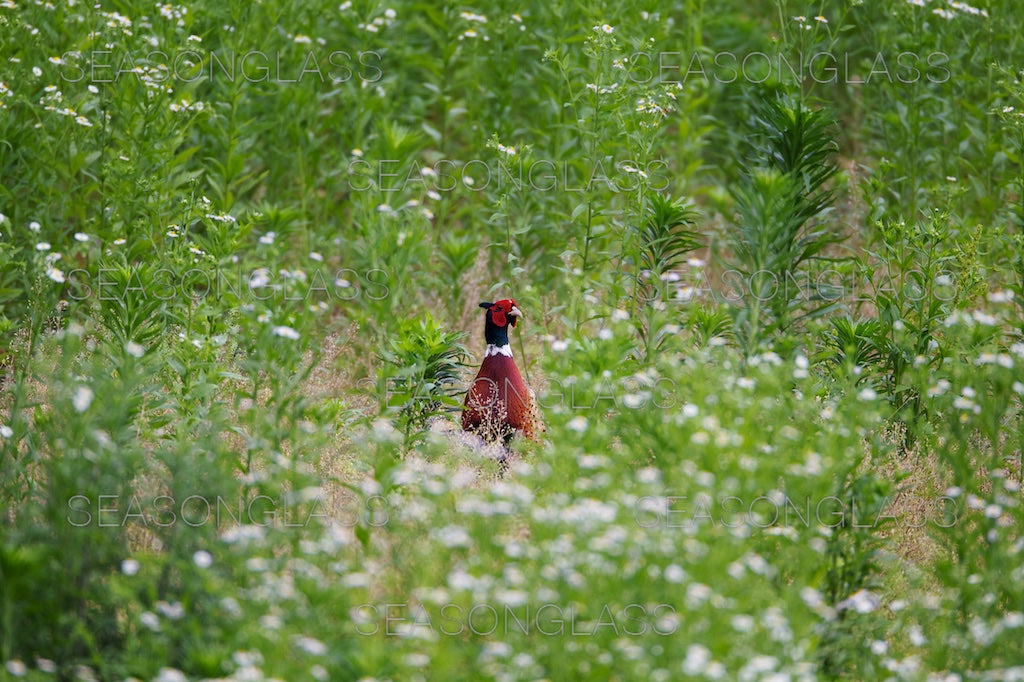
[771, 260]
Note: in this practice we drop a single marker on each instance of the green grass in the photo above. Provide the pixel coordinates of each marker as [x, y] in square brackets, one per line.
[770, 260]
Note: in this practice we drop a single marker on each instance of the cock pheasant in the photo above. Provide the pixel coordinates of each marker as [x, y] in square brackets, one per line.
[499, 402]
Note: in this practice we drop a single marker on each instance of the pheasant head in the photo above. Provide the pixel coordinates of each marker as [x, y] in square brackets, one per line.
[500, 315]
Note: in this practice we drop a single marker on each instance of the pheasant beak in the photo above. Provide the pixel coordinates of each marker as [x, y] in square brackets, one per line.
[515, 314]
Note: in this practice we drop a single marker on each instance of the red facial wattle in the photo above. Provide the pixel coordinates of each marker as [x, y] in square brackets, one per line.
[503, 310]
[498, 316]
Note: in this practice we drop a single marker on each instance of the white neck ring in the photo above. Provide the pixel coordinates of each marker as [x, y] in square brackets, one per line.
[505, 350]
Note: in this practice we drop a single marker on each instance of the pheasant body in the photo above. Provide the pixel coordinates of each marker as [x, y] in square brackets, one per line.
[499, 402]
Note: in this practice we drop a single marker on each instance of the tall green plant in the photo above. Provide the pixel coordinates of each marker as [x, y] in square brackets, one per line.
[666, 235]
[422, 374]
[777, 231]
[665, 238]
[922, 272]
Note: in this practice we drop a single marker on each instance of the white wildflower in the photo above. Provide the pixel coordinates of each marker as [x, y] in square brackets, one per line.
[81, 399]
